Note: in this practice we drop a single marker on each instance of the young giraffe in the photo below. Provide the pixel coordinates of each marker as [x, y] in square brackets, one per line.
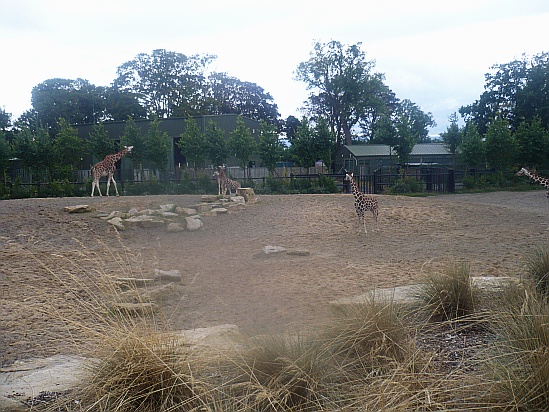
[536, 178]
[225, 182]
[106, 167]
[363, 202]
[220, 174]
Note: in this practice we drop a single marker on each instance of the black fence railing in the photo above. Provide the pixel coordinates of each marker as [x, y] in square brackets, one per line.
[430, 180]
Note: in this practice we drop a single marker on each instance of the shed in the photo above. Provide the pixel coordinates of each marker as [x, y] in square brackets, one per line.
[370, 157]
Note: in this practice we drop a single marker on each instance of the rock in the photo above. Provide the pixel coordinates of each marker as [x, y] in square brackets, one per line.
[193, 223]
[133, 211]
[185, 211]
[175, 227]
[117, 223]
[220, 210]
[152, 223]
[160, 292]
[298, 252]
[217, 337]
[78, 209]
[268, 250]
[202, 207]
[238, 199]
[248, 194]
[169, 214]
[114, 213]
[208, 198]
[167, 208]
[167, 275]
[27, 379]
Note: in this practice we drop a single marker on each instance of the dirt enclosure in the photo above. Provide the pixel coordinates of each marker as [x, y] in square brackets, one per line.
[226, 279]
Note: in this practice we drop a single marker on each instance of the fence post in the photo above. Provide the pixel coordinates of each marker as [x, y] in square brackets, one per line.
[451, 181]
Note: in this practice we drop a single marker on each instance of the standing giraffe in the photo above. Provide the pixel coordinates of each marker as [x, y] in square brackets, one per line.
[106, 167]
[538, 179]
[363, 202]
[224, 183]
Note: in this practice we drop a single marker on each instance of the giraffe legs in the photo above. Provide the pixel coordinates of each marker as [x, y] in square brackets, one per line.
[111, 177]
[94, 185]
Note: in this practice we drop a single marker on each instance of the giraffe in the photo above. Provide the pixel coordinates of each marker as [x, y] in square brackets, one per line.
[106, 167]
[363, 202]
[538, 179]
[224, 183]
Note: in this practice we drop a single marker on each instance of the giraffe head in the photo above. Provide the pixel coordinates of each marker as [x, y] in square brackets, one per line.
[348, 176]
[128, 149]
[522, 172]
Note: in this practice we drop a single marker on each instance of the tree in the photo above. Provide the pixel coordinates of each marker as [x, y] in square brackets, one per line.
[342, 84]
[242, 143]
[269, 148]
[228, 95]
[472, 148]
[5, 120]
[36, 151]
[69, 148]
[119, 105]
[302, 143]
[163, 80]
[501, 147]
[193, 144]
[453, 135]
[533, 143]
[5, 155]
[99, 142]
[418, 121]
[290, 127]
[157, 146]
[405, 139]
[218, 151]
[132, 136]
[323, 142]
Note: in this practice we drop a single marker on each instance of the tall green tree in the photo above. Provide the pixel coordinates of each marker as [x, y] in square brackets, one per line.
[5, 156]
[302, 143]
[36, 151]
[218, 150]
[417, 120]
[343, 86]
[452, 136]
[163, 80]
[193, 144]
[69, 149]
[157, 146]
[472, 150]
[132, 136]
[405, 139]
[242, 143]
[533, 142]
[501, 147]
[269, 148]
[323, 142]
[99, 142]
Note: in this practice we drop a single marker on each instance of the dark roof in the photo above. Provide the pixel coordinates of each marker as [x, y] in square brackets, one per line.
[420, 149]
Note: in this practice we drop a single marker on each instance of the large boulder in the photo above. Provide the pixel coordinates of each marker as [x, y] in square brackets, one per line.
[193, 223]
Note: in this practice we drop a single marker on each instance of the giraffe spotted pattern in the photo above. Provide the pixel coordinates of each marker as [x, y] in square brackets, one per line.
[106, 167]
[363, 202]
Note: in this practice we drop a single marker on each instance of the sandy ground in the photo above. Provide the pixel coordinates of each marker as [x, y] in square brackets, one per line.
[224, 280]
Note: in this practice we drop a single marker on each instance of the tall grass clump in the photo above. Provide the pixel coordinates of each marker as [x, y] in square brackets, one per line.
[521, 362]
[448, 295]
[537, 263]
[135, 363]
[285, 373]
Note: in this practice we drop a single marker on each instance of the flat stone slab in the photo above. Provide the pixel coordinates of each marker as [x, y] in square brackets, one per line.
[78, 209]
[167, 275]
[135, 282]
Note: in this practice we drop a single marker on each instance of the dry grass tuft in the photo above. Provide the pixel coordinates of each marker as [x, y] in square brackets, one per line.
[448, 295]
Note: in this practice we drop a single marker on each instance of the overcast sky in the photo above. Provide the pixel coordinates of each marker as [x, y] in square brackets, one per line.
[433, 52]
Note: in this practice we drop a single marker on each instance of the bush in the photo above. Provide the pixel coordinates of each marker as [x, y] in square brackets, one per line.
[406, 185]
[448, 295]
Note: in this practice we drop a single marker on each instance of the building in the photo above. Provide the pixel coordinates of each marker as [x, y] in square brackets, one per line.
[174, 127]
[366, 158]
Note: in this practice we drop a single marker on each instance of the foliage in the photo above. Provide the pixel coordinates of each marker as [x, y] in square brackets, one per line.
[452, 137]
[473, 148]
[218, 150]
[157, 146]
[132, 136]
[448, 295]
[68, 148]
[35, 150]
[501, 147]
[5, 155]
[533, 143]
[228, 95]
[406, 184]
[242, 143]
[163, 80]
[193, 144]
[269, 147]
[312, 143]
[342, 84]
[99, 142]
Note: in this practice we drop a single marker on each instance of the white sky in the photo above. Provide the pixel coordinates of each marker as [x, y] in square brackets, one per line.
[433, 52]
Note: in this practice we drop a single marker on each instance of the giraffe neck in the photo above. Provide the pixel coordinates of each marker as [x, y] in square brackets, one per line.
[538, 179]
[354, 187]
[117, 156]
